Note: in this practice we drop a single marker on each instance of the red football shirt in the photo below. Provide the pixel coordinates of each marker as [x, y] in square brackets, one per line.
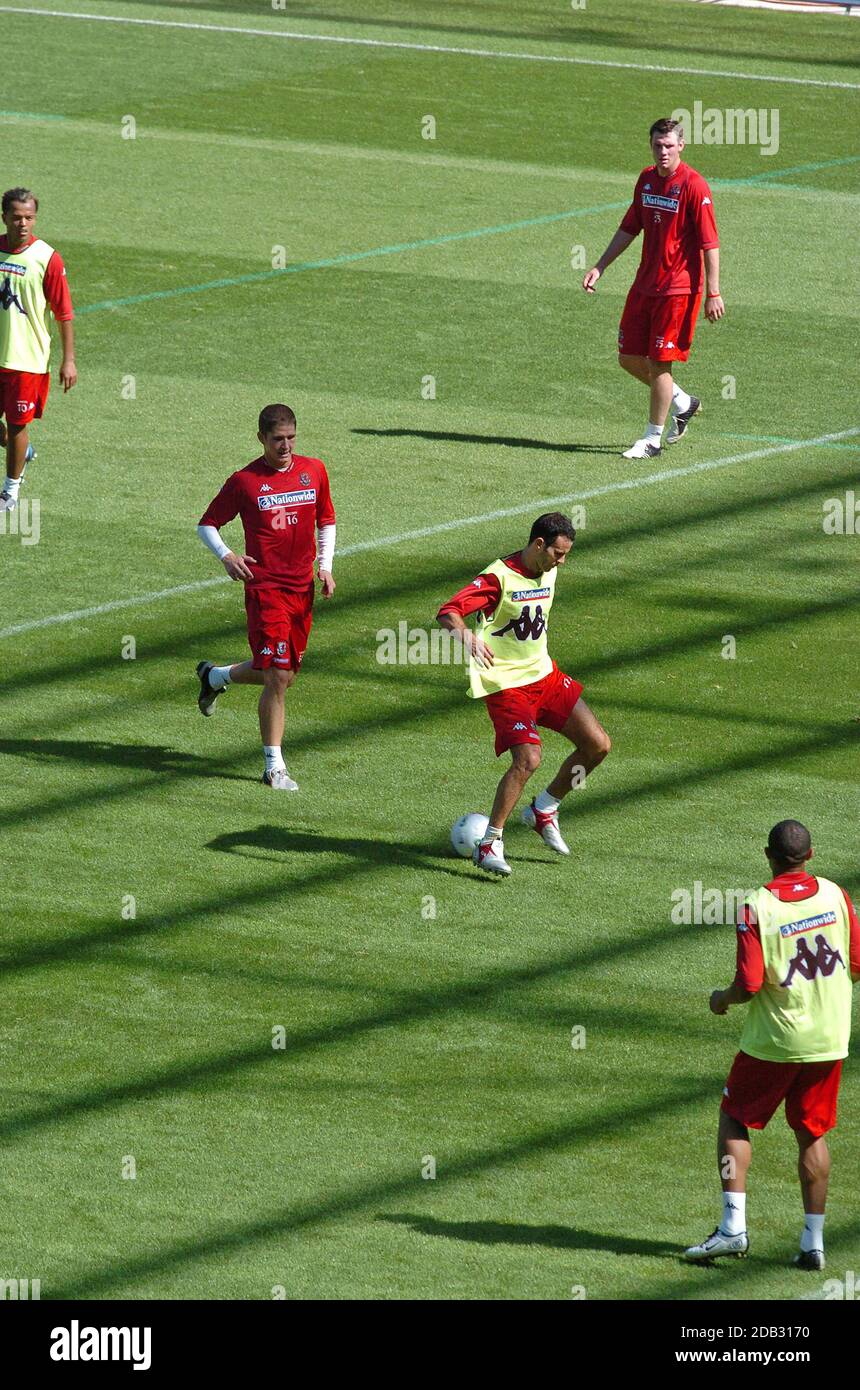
[676, 216]
[483, 592]
[791, 887]
[280, 509]
[54, 283]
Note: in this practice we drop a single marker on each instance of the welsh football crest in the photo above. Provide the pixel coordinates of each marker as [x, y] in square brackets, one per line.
[305, 479]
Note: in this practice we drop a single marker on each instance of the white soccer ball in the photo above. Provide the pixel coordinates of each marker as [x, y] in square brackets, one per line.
[467, 831]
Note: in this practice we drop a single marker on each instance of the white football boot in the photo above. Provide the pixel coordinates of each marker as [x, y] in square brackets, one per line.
[280, 780]
[681, 419]
[490, 857]
[546, 825]
[718, 1244]
[643, 449]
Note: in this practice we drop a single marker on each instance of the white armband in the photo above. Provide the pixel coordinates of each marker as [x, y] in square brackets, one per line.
[210, 537]
[325, 547]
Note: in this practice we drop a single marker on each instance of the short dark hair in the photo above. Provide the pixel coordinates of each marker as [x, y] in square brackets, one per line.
[550, 525]
[790, 842]
[19, 195]
[272, 415]
[666, 126]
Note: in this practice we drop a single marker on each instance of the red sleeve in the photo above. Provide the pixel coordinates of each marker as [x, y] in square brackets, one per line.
[56, 288]
[483, 593]
[854, 950]
[749, 972]
[224, 507]
[631, 222]
[702, 208]
[325, 507]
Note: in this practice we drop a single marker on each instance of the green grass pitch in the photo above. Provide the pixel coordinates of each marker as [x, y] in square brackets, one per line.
[427, 1013]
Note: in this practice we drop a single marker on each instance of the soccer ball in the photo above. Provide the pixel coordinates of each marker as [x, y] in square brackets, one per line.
[467, 831]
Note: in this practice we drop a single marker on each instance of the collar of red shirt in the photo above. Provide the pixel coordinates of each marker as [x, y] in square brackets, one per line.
[4, 245]
[797, 884]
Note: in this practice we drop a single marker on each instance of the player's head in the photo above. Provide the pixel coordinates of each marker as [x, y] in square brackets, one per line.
[667, 142]
[277, 434]
[550, 539]
[20, 206]
[789, 845]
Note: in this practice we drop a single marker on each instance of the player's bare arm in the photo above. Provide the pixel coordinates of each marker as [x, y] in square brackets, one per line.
[714, 307]
[68, 368]
[470, 640]
[238, 566]
[721, 1000]
[617, 245]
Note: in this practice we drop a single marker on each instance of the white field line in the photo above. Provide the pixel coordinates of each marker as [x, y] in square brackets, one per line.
[540, 504]
[422, 47]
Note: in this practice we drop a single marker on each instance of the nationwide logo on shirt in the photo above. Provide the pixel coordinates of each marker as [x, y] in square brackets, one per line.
[656, 200]
[11, 268]
[287, 499]
[526, 595]
[824, 919]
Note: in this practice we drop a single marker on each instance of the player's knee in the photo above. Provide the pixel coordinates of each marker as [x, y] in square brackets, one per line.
[527, 759]
[601, 745]
[279, 680]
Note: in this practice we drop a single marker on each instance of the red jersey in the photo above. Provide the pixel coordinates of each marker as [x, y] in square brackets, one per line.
[788, 888]
[483, 592]
[55, 284]
[676, 216]
[280, 510]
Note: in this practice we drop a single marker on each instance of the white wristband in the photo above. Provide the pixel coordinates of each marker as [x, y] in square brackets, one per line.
[210, 537]
[325, 546]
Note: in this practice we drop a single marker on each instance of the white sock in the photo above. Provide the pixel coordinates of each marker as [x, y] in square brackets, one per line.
[11, 486]
[274, 759]
[492, 832]
[654, 433]
[812, 1235]
[680, 400]
[734, 1221]
[545, 802]
[219, 676]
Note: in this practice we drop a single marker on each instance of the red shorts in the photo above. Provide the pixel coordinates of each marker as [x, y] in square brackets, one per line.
[279, 625]
[659, 326]
[516, 713]
[23, 395]
[755, 1089]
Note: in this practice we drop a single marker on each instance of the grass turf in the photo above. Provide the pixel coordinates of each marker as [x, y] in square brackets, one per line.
[426, 1012]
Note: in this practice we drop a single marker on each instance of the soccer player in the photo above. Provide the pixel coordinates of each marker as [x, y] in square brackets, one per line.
[798, 949]
[32, 281]
[511, 669]
[673, 208]
[282, 499]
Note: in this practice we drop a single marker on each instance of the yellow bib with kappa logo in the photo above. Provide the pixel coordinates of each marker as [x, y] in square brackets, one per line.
[802, 1013]
[25, 337]
[515, 632]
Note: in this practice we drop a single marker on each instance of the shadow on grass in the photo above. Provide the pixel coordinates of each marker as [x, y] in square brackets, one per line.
[509, 441]
[284, 840]
[365, 1197]
[513, 1233]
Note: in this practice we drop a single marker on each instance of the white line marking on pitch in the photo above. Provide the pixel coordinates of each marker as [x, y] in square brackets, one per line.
[539, 505]
[424, 47]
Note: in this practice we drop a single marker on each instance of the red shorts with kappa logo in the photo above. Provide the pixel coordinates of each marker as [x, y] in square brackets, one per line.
[279, 625]
[23, 395]
[659, 326]
[755, 1089]
[516, 713]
